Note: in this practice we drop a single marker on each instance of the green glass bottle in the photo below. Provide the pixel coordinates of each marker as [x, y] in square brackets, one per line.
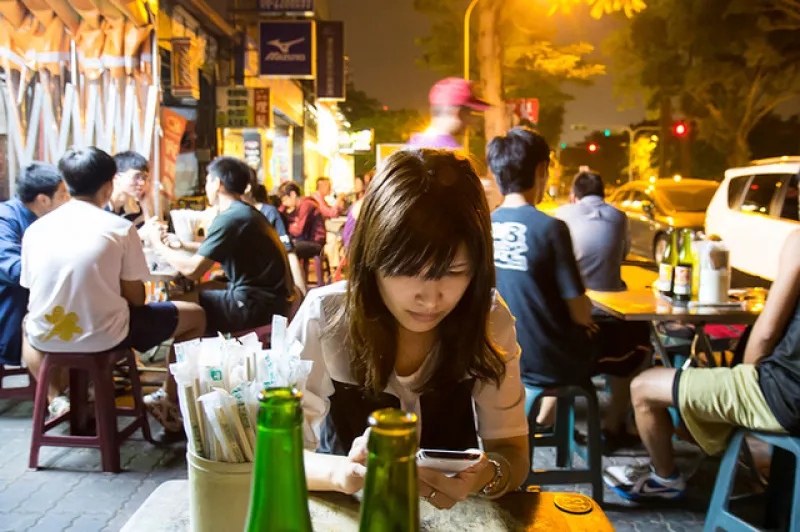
[391, 502]
[666, 269]
[279, 496]
[682, 285]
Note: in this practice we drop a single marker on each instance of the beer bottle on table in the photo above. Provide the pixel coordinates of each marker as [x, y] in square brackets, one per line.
[682, 285]
[279, 496]
[391, 502]
[666, 269]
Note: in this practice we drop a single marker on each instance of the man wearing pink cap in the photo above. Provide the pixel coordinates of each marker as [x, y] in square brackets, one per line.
[452, 101]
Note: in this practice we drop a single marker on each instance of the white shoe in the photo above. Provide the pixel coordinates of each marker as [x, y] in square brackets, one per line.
[639, 481]
[58, 406]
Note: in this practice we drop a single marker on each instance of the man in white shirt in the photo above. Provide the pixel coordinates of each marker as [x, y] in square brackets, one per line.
[85, 267]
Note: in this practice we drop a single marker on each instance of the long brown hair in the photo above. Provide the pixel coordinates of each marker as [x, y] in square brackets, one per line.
[420, 208]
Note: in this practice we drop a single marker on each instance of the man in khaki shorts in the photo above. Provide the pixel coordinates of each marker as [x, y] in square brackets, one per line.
[763, 393]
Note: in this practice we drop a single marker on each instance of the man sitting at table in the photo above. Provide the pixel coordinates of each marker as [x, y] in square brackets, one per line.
[321, 197]
[601, 241]
[306, 222]
[84, 267]
[247, 247]
[761, 394]
[40, 190]
[130, 187]
[538, 276]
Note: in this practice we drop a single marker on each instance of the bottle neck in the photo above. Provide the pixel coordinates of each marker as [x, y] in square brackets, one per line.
[279, 499]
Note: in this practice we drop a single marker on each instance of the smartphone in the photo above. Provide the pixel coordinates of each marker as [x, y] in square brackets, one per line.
[451, 462]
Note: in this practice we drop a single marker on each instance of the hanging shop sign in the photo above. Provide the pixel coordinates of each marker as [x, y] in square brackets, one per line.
[185, 74]
[286, 49]
[243, 107]
[357, 141]
[330, 61]
[284, 7]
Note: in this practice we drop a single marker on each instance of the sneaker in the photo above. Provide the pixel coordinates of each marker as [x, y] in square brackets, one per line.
[636, 482]
[58, 406]
[164, 411]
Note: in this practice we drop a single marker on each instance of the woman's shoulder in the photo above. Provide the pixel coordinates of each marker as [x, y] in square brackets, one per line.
[502, 327]
[322, 302]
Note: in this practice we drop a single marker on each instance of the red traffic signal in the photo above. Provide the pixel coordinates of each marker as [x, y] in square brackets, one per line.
[593, 147]
[680, 129]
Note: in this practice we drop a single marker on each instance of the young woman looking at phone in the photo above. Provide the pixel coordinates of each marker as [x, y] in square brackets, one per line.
[418, 326]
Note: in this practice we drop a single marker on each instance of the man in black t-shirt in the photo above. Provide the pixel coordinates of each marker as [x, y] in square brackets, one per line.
[537, 273]
[248, 249]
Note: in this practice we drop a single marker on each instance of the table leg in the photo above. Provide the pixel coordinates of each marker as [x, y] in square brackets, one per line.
[661, 351]
[704, 344]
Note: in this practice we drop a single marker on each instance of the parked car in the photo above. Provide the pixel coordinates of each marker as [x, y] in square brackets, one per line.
[653, 208]
[754, 210]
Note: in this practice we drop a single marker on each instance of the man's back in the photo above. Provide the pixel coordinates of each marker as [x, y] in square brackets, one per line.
[15, 219]
[536, 275]
[249, 251]
[72, 262]
[600, 240]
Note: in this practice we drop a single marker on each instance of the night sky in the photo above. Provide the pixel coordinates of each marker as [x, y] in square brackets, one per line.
[380, 45]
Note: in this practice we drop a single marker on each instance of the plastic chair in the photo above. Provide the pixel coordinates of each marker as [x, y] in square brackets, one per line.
[563, 438]
[719, 515]
[18, 392]
[98, 368]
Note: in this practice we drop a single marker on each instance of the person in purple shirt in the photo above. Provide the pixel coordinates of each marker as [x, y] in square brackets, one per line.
[452, 102]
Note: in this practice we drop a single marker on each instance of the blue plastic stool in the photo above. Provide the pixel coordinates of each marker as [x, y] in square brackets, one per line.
[563, 438]
[719, 515]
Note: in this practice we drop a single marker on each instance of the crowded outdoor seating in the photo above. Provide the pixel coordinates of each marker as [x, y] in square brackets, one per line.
[427, 266]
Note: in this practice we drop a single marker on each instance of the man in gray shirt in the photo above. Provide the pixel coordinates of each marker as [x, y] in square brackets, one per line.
[600, 240]
[600, 236]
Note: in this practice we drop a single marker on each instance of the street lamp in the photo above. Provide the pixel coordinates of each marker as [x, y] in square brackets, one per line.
[467, 17]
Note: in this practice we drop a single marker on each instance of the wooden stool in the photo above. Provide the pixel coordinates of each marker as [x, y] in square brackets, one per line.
[98, 368]
[19, 392]
[563, 438]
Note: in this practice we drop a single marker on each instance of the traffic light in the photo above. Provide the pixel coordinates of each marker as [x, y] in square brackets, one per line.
[607, 132]
[563, 145]
[592, 147]
[680, 129]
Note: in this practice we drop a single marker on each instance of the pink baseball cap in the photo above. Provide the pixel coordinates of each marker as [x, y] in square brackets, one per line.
[456, 92]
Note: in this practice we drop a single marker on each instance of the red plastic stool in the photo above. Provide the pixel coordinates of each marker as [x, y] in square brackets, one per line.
[98, 368]
[19, 392]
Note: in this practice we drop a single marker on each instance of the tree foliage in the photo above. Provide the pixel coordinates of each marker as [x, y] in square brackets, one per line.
[723, 61]
[532, 66]
[601, 7]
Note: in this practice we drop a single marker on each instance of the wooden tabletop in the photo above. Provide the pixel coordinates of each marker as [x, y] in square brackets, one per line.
[167, 510]
[642, 303]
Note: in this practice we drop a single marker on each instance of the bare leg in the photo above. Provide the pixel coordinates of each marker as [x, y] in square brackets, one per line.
[616, 416]
[651, 393]
[33, 361]
[191, 324]
[547, 411]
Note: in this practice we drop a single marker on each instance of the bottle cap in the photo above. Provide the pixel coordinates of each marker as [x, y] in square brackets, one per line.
[573, 503]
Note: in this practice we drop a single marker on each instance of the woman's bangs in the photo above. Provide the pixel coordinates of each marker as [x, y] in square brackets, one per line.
[425, 244]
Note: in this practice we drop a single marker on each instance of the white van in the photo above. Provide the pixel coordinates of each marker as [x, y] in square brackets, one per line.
[754, 210]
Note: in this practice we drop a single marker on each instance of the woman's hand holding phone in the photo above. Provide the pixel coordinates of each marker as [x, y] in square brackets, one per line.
[349, 476]
[444, 491]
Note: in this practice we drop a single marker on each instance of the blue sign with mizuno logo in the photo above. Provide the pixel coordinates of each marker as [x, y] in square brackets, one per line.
[287, 48]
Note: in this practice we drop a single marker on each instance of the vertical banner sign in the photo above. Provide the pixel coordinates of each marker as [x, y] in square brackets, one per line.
[261, 108]
[252, 150]
[185, 77]
[283, 7]
[330, 60]
[174, 125]
[286, 49]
